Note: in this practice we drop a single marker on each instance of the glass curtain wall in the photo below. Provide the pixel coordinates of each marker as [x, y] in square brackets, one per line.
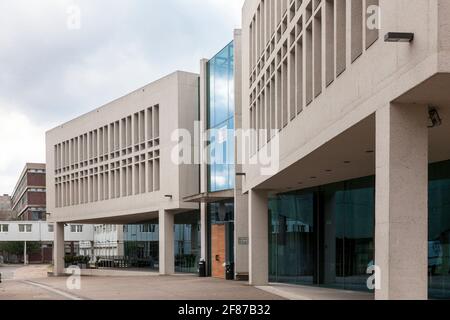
[293, 238]
[220, 71]
[347, 213]
[325, 236]
[187, 242]
[439, 231]
[141, 245]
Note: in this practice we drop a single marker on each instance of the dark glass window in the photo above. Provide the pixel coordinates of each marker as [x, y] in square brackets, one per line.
[323, 236]
[439, 231]
[292, 238]
[187, 242]
[342, 240]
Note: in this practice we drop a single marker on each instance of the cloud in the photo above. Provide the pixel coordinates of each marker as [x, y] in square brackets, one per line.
[21, 141]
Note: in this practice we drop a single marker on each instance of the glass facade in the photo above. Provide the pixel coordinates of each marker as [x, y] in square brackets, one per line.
[141, 243]
[220, 80]
[187, 242]
[325, 236]
[439, 231]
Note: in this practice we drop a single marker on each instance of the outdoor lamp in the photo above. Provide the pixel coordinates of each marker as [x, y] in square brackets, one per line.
[399, 37]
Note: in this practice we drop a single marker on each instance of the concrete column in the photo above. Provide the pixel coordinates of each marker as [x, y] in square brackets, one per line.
[401, 229]
[58, 250]
[166, 243]
[258, 238]
[241, 253]
[204, 231]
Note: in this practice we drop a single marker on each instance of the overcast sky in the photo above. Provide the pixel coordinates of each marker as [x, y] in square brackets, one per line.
[51, 71]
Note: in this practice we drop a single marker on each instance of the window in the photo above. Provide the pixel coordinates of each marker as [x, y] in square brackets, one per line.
[148, 228]
[4, 228]
[51, 228]
[25, 228]
[76, 228]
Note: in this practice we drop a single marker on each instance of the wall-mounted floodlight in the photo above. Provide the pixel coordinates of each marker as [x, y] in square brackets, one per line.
[241, 174]
[399, 37]
[168, 196]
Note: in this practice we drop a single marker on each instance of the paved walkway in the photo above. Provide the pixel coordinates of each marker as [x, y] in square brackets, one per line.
[31, 282]
[180, 287]
[296, 292]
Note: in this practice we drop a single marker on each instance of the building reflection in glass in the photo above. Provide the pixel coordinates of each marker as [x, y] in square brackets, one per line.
[325, 236]
[220, 73]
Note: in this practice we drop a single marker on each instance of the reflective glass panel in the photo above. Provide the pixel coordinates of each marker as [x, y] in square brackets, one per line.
[221, 120]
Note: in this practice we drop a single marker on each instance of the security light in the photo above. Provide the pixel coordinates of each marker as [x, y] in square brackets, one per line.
[241, 174]
[168, 196]
[399, 37]
[435, 117]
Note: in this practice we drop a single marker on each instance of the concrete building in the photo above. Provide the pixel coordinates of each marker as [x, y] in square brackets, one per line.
[28, 197]
[341, 167]
[114, 165]
[363, 161]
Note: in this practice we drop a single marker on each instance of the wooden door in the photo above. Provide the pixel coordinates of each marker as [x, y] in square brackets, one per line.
[218, 250]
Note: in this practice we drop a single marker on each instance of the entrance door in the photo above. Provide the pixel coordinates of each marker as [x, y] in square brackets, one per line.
[218, 250]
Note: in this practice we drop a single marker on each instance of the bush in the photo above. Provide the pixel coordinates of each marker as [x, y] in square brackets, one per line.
[75, 260]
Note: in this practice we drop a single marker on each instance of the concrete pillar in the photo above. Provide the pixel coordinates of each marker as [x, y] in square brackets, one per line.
[241, 245]
[204, 231]
[166, 243]
[401, 229]
[258, 238]
[58, 250]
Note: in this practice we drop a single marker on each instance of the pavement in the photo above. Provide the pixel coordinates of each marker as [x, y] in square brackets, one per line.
[32, 283]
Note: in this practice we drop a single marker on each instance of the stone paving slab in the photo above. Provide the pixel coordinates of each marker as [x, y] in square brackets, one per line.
[161, 288]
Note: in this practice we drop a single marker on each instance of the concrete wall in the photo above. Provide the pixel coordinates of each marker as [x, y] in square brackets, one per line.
[383, 72]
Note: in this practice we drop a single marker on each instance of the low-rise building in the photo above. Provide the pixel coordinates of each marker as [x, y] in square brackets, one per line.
[42, 233]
